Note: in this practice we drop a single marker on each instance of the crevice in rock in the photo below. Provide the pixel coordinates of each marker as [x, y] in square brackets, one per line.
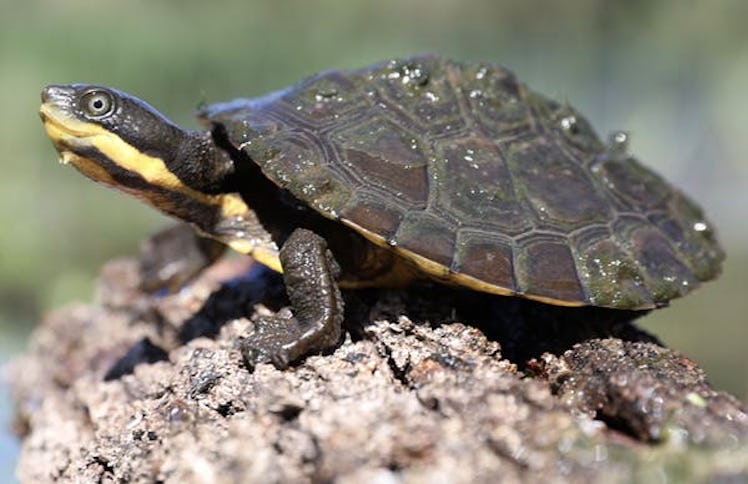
[617, 423]
[107, 468]
[228, 409]
[400, 374]
[287, 411]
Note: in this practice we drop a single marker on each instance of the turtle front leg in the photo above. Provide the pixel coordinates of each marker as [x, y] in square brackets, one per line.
[172, 257]
[310, 274]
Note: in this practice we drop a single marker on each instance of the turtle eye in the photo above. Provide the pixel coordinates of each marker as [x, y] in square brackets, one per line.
[97, 104]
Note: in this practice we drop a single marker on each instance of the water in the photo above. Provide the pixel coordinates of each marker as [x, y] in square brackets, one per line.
[8, 443]
[10, 345]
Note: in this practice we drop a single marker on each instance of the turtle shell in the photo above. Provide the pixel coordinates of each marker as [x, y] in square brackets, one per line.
[479, 181]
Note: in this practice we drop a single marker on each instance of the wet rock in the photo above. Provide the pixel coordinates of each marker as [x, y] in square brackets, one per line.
[412, 395]
[645, 390]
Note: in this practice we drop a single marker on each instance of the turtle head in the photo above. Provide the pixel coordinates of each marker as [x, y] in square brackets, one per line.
[122, 142]
[119, 140]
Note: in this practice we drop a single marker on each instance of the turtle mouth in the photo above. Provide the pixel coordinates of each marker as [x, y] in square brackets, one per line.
[57, 117]
[67, 134]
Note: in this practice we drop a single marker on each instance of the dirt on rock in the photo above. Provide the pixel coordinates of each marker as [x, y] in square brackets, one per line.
[139, 388]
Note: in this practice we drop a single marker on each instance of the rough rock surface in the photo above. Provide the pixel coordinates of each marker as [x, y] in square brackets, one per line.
[412, 395]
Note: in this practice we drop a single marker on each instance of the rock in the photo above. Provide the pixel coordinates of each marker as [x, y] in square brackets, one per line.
[412, 395]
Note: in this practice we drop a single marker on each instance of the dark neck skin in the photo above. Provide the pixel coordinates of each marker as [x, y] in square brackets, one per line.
[200, 164]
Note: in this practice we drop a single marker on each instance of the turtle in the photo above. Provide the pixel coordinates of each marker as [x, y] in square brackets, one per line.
[410, 169]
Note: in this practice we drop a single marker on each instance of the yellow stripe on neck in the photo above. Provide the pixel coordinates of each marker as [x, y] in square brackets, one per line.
[153, 170]
[156, 173]
[67, 132]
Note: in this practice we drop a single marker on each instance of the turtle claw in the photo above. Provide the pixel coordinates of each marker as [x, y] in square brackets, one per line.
[281, 359]
[254, 356]
[270, 342]
[281, 342]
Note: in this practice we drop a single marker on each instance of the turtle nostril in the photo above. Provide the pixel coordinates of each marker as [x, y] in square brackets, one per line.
[51, 93]
[46, 93]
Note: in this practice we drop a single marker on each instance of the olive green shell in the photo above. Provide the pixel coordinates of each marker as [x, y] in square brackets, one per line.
[461, 166]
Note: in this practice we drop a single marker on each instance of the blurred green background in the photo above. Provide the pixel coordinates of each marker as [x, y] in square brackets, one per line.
[673, 73]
